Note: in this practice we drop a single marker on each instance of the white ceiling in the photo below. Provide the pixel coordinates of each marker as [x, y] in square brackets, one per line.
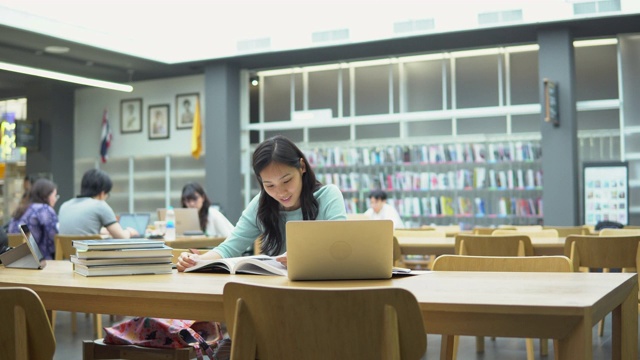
[192, 30]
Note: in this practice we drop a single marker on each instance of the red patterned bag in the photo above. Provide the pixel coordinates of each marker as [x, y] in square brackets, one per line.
[166, 333]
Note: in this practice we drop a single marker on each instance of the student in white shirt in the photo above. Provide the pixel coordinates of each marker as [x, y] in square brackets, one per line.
[380, 210]
[212, 221]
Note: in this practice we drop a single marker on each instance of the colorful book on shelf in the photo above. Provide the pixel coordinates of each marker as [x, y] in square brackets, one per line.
[115, 244]
[123, 253]
[121, 261]
[131, 269]
[258, 264]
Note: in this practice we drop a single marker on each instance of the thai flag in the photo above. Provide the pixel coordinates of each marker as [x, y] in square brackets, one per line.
[106, 137]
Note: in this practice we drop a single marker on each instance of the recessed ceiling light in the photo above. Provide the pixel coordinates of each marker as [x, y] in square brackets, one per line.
[56, 49]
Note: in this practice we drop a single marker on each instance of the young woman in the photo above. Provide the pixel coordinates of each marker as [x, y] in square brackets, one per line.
[37, 212]
[87, 213]
[289, 191]
[212, 222]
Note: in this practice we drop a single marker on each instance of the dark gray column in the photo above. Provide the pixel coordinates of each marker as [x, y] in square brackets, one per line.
[53, 105]
[223, 180]
[559, 143]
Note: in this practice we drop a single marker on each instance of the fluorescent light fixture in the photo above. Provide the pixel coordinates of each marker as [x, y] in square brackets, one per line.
[64, 77]
[594, 42]
[426, 57]
[522, 48]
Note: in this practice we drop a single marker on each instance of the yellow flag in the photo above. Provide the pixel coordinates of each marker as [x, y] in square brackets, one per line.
[196, 135]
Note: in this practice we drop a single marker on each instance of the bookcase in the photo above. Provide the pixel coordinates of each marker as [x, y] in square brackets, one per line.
[487, 183]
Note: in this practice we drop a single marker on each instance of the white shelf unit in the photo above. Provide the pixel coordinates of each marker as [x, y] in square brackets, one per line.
[145, 183]
[443, 98]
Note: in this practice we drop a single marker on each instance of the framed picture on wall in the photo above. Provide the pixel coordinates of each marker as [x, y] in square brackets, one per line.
[130, 116]
[185, 109]
[158, 121]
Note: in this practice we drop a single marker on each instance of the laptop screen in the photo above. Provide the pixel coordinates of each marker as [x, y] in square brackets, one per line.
[138, 221]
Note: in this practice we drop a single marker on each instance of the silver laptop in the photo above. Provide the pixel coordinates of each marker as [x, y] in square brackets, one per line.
[338, 249]
[138, 221]
[187, 221]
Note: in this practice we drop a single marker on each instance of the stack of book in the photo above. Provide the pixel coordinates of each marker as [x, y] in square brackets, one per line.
[121, 257]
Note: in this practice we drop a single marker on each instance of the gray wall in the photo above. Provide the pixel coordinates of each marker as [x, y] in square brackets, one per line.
[53, 105]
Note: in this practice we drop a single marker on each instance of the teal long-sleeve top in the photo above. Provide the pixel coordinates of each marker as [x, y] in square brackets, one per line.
[330, 207]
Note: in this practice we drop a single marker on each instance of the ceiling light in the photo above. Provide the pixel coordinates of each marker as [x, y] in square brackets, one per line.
[594, 42]
[56, 49]
[65, 77]
[254, 81]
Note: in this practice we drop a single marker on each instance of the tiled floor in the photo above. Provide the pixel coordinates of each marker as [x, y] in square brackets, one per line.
[69, 347]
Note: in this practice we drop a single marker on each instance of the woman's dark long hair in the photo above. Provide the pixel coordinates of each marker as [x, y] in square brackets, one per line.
[38, 194]
[190, 192]
[281, 150]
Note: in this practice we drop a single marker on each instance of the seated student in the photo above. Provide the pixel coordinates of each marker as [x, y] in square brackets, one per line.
[36, 211]
[212, 221]
[289, 191]
[87, 213]
[380, 210]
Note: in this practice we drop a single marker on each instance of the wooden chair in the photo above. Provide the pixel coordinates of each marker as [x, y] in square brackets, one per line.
[25, 332]
[478, 230]
[603, 252]
[325, 323]
[498, 263]
[64, 250]
[358, 217]
[418, 261]
[15, 239]
[564, 231]
[619, 232]
[521, 227]
[493, 245]
[546, 233]
[516, 244]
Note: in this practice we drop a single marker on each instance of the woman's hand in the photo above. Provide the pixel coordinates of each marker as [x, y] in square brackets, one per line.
[282, 259]
[186, 260]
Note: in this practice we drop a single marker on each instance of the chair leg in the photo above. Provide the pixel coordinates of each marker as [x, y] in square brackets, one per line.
[97, 322]
[52, 318]
[544, 347]
[480, 344]
[74, 323]
[456, 342]
[529, 343]
[601, 327]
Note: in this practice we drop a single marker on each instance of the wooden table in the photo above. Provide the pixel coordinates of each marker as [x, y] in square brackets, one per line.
[564, 306]
[442, 246]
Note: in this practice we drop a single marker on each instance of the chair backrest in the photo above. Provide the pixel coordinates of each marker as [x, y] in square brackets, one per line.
[358, 217]
[64, 245]
[323, 323]
[478, 230]
[418, 233]
[593, 251]
[521, 227]
[619, 232]
[15, 239]
[493, 245]
[25, 332]
[546, 233]
[564, 231]
[502, 263]
[397, 251]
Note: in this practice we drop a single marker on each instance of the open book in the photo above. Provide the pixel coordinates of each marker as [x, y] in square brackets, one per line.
[258, 264]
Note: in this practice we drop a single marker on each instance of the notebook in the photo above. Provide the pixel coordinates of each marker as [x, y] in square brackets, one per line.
[138, 221]
[187, 221]
[338, 249]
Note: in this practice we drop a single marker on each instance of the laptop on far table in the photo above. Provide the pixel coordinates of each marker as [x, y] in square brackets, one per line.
[187, 221]
[137, 221]
[339, 249]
